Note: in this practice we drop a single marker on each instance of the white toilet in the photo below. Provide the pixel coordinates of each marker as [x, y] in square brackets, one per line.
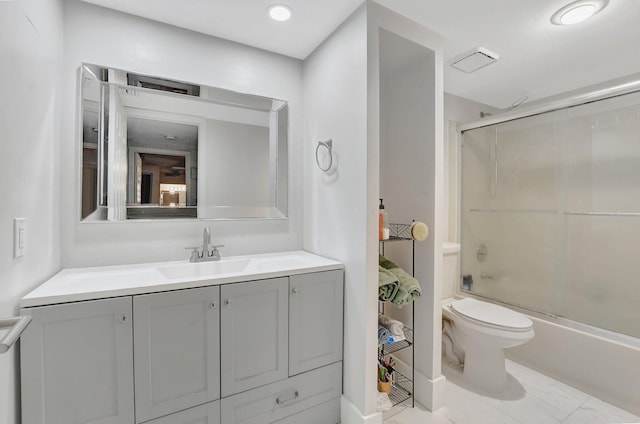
[479, 329]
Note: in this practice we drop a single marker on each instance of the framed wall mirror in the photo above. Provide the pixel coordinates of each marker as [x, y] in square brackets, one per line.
[154, 148]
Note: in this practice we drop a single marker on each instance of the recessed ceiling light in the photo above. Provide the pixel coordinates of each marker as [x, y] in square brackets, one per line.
[170, 137]
[578, 11]
[280, 12]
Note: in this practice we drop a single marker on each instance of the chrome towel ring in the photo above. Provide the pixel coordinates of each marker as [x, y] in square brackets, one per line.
[328, 145]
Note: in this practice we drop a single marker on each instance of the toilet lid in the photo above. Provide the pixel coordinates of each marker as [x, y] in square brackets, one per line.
[491, 314]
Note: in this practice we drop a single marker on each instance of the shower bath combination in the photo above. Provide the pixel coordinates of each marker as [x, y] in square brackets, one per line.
[553, 193]
[556, 198]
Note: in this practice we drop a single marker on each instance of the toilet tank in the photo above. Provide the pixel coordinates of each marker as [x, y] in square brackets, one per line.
[450, 269]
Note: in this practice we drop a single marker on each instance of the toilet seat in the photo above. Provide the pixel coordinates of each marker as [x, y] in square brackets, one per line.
[490, 315]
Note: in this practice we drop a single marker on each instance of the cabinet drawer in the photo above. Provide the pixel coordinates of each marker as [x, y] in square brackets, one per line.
[279, 400]
[203, 414]
[326, 413]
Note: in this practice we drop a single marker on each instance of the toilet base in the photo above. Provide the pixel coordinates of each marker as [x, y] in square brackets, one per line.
[484, 367]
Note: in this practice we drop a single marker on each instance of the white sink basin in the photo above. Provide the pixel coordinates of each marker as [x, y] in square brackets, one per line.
[202, 269]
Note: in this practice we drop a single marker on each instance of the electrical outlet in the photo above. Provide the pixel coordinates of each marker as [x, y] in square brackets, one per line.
[19, 237]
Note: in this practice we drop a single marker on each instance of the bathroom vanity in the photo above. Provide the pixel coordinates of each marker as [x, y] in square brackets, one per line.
[253, 339]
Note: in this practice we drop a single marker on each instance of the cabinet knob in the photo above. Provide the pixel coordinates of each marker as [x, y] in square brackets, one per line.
[294, 290]
[213, 305]
[227, 302]
[123, 319]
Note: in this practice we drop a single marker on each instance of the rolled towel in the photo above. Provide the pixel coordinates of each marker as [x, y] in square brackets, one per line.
[393, 325]
[408, 287]
[387, 284]
[384, 336]
[419, 231]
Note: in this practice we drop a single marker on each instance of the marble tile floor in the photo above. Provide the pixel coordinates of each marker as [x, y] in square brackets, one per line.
[530, 398]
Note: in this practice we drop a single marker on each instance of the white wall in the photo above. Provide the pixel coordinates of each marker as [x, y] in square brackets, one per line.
[31, 49]
[105, 37]
[336, 206]
[342, 102]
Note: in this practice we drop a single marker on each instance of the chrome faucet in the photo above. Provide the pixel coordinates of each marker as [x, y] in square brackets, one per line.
[206, 239]
[204, 254]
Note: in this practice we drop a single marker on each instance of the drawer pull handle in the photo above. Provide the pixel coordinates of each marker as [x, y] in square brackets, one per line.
[295, 396]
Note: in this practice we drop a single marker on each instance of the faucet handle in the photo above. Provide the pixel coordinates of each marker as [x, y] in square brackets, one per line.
[215, 254]
[194, 253]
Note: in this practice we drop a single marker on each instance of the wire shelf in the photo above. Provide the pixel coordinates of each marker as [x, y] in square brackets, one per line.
[401, 395]
[388, 349]
[398, 232]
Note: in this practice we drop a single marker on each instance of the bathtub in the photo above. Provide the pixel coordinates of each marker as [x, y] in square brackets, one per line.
[598, 362]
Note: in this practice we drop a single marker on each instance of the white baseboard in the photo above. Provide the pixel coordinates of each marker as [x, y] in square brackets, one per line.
[349, 414]
[430, 393]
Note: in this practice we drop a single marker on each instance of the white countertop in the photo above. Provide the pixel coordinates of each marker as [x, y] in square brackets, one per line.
[76, 284]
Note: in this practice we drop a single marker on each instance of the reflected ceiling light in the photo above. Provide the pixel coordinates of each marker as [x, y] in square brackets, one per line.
[578, 11]
[280, 12]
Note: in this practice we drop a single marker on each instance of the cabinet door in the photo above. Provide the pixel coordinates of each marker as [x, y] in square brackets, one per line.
[315, 320]
[203, 414]
[176, 350]
[77, 363]
[254, 334]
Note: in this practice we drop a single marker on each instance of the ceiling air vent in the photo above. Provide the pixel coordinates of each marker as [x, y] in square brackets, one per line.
[474, 59]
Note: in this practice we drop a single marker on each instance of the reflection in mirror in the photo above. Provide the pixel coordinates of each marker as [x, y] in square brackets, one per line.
[154, 148]
[161, 169]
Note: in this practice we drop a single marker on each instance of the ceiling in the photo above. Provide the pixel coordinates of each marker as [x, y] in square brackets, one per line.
[537, 59]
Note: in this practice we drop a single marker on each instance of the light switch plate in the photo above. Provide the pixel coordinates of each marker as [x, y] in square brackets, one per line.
[19, 237]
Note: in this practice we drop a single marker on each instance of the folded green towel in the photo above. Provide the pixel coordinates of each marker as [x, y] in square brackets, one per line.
[387, 284]
[408, 287]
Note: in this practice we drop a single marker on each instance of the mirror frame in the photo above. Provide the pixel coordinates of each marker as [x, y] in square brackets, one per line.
[278, 130]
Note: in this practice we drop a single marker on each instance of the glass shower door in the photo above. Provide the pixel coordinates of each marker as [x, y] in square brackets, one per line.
[551, 212]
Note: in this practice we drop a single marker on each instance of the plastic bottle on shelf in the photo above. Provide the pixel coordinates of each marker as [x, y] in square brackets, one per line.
[383, 225]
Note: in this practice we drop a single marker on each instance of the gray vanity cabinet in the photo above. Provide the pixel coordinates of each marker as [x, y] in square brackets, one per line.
[176, 351]
[251, 352]
[315, 320]
[77, 365]
[254, 330]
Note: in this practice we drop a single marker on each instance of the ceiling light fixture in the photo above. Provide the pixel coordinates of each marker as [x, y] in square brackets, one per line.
[578, 11]
[280, 12]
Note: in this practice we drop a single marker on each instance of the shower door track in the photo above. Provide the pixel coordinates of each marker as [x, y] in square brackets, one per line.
[627, 86]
